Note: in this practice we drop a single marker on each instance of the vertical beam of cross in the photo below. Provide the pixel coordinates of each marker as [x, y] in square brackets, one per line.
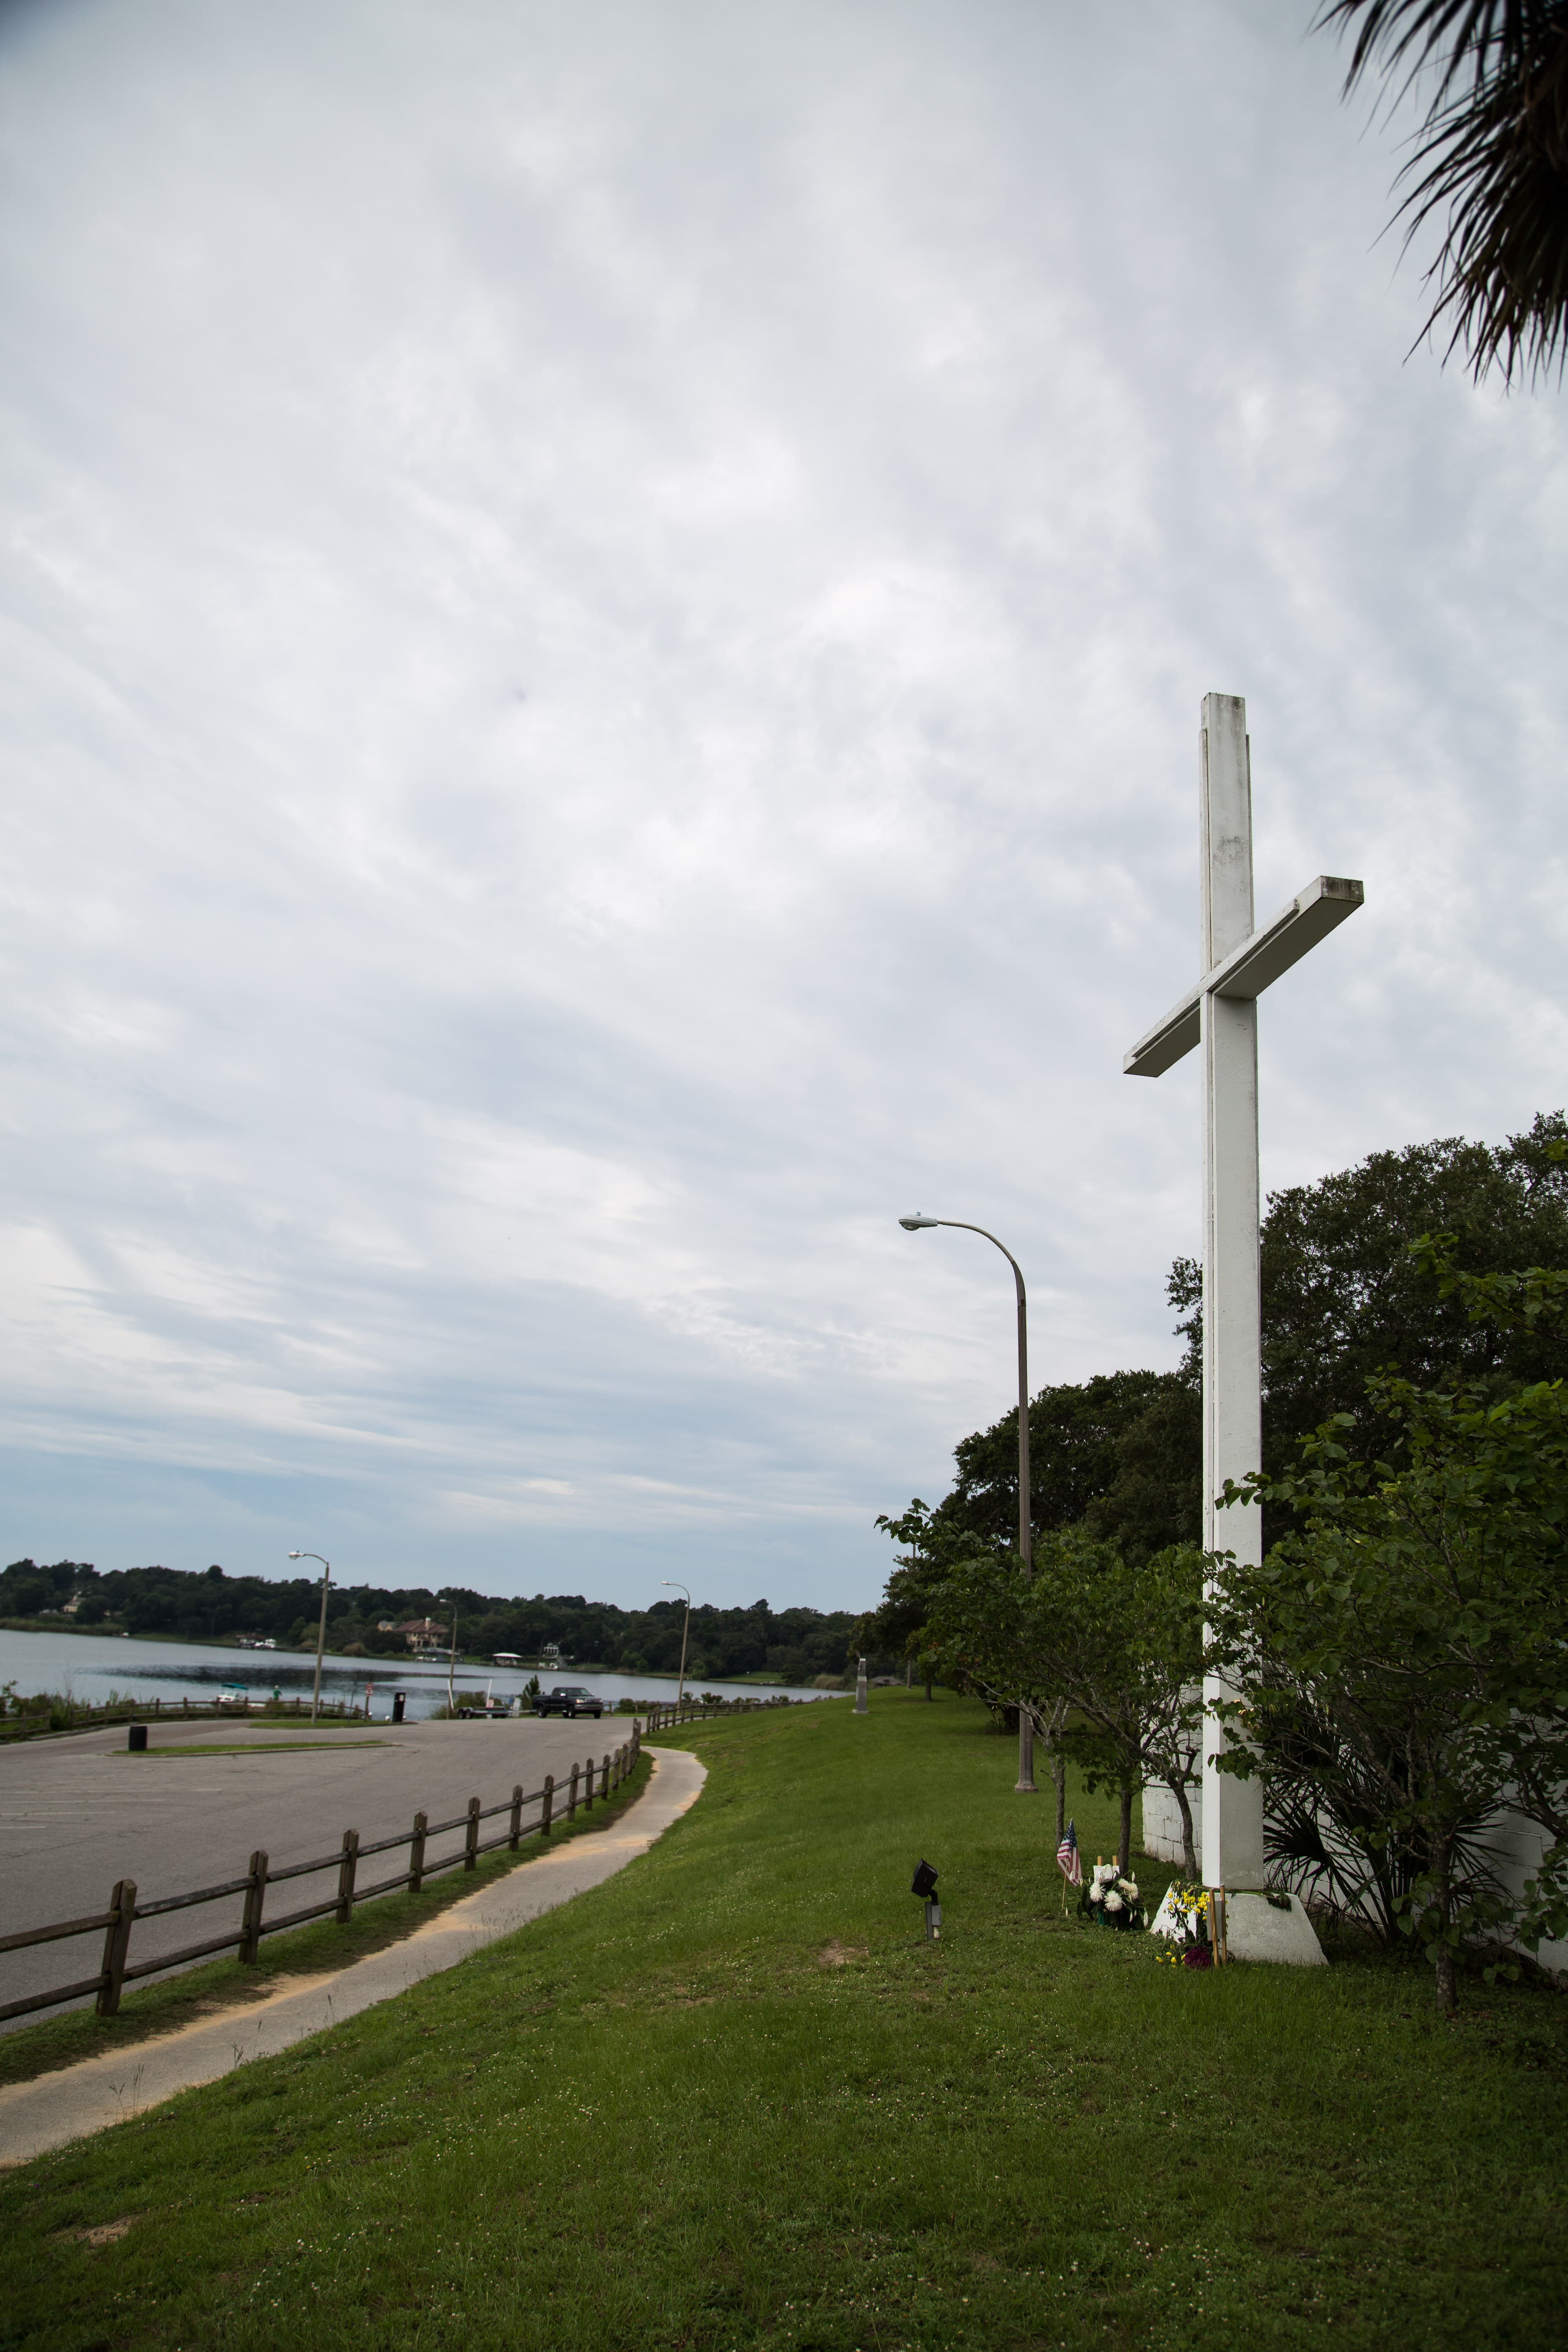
[1233, 1367]
[1238, 960]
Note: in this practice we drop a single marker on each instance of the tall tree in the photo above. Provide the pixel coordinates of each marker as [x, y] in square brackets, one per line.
[1489, 166]
[1344, 1298]
[1118, 1455]
[1401, 1661]
[1104, 1654]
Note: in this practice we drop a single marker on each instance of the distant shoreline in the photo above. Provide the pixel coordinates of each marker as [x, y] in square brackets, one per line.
[405, 1665]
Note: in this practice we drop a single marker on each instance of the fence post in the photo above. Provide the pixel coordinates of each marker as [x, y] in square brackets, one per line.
[122, 1904]
[471, 1842]
[590, 1774]
[255, 1896]
[515, 1832]
[416, 1854]
[604, 1784]
[546, 1804]
[572, 1800]
[346, 1869]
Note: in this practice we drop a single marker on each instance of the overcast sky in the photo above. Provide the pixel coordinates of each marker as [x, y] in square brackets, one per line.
[603, 613]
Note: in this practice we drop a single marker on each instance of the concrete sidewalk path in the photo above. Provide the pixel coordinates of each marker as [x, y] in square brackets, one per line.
[66, 2106]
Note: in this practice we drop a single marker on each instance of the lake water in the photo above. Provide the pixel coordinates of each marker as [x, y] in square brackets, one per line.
[90, 1666]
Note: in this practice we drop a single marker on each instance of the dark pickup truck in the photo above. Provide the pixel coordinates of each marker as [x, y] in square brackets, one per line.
[568, 1698]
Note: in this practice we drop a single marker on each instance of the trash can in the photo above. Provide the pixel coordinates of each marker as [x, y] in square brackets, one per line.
[399, 1701]
[136, 1738]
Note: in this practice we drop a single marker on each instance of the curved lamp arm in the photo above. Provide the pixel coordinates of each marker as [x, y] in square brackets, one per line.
[917, 1224]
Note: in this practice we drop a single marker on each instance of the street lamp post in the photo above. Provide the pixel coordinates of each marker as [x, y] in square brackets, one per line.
[1025, 1784]
[452, 1653]
[321, 1629]
[685, 1629]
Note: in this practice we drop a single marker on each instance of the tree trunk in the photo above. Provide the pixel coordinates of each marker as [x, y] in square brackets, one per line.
[1442, 1957]
[927, 1690]
[1060, 1781]
[1124, 1855]
[1178, 1790]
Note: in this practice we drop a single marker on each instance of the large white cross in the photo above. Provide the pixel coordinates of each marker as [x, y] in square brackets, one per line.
[1221, 1014]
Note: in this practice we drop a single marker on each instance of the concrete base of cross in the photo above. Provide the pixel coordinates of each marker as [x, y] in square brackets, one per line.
[1256, 1929]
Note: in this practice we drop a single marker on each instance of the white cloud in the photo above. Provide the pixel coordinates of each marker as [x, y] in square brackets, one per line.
[600, 634]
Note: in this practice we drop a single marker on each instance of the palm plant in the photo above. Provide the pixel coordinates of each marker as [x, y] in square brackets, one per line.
[1490, 163]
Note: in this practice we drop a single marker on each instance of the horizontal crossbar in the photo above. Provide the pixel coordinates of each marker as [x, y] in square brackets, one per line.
[187, 1952]
[1248, 970]
[52, 1934]
[184, 1902]
[61, 1993]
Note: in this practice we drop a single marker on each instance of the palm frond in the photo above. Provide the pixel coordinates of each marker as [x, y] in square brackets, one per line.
[1490, 162]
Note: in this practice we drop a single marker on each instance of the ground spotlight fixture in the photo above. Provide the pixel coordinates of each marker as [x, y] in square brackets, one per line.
[923, 1884]
[918, 1224]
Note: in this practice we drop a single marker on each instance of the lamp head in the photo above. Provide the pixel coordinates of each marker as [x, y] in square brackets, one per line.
[918, 1224]
[923, 1883]
[296, 1555]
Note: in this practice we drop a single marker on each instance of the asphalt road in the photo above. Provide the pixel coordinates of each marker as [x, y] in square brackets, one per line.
[102, 2090]
[78, 1814]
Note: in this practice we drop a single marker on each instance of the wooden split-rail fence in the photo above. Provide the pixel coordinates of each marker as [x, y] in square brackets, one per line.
[556, 1800]
[664, 1714]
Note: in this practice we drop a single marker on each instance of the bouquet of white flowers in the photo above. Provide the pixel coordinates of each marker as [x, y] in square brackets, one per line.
[1112, 1901]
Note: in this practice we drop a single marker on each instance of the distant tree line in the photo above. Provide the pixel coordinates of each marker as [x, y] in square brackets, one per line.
[210, 1606]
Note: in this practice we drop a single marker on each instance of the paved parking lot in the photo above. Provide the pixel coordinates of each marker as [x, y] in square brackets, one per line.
[78, 1814]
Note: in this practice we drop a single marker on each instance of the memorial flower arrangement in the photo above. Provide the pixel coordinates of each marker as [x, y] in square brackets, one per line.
[1112, 1901]
[1183, 1920]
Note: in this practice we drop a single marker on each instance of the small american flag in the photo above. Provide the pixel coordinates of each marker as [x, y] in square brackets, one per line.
[1068, 1861]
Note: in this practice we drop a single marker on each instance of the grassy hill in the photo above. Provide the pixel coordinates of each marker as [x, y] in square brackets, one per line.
[732, 2099]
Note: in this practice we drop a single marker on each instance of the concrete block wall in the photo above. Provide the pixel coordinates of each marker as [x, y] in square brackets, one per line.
[1517, 1849]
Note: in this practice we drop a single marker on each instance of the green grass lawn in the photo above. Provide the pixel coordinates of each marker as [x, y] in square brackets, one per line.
[732, 2099]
